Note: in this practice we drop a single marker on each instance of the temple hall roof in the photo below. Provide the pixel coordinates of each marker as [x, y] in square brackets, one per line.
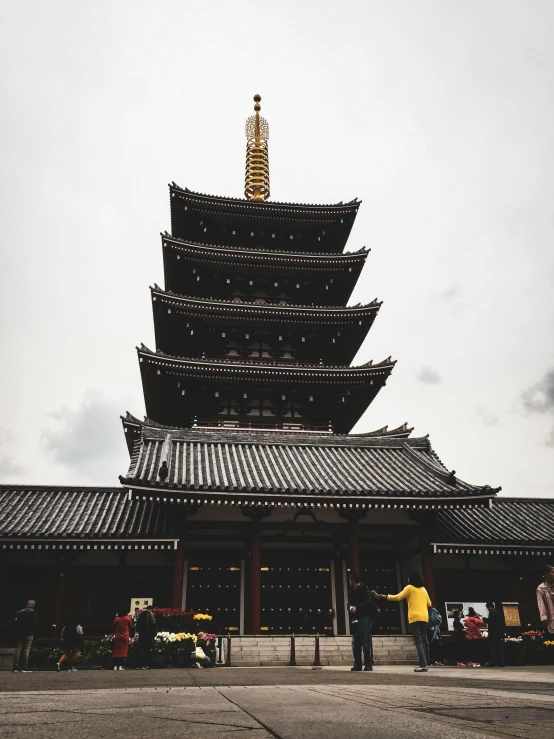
[81, 514]
[311, 467]
[510, 522]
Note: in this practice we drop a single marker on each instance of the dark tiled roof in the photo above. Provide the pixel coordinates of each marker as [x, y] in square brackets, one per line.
[510, 521]
[269, 205]
[226, 253]
[248, 308]
[79, 513]
[294, 464]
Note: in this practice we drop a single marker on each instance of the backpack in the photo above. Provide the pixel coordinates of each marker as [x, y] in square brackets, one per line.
[435, 619]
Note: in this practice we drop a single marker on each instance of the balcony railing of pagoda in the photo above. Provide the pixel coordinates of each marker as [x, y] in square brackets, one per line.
[281, 361]
[243, 423]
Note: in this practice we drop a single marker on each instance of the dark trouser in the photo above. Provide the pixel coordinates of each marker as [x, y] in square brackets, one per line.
[204, 661]
[475, 647]
[144, 647]
[496, 651]
[119, 661]
[419, 631]
[363, 641]
[22, 649]
[461, 648]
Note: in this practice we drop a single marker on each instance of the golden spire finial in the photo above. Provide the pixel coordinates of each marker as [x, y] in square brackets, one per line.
[256, 184]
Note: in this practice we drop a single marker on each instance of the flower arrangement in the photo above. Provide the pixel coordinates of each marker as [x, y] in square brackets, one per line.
[213, 637]
[532, 635]
[172, 638]
[177, 621]
[513, 640]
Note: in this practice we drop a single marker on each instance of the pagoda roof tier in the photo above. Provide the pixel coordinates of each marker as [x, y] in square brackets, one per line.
[282, 226]
[78, 516]
[309, 278]
[178, 390]
[251, 308]
[266, 260]
[314, 469]
[132, 427]
[333, 334]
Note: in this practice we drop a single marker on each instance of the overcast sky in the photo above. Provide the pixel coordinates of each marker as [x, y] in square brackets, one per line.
[439, 116]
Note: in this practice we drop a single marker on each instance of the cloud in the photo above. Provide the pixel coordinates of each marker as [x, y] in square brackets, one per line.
[487, 418]
[539, 398]
[9, 466]
[453, 296]
[428, 376]
[89, 440]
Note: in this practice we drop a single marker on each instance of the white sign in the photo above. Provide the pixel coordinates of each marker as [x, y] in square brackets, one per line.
[463, 607]
[138, 603]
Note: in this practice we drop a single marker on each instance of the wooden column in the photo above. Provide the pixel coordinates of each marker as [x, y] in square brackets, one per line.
[428, 574]
[354, 546]
[255, 579]
[178, 572]
[253, 597]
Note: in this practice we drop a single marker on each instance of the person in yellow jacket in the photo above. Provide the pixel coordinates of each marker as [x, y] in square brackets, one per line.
[418, 615]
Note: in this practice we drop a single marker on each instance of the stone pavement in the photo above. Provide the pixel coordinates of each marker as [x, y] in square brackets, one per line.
[283, 703]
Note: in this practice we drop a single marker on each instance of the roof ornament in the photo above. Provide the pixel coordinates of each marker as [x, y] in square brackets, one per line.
[256, 183]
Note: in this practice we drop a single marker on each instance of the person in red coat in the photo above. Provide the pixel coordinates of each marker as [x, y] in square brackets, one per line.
[474, 623]
[122, 628]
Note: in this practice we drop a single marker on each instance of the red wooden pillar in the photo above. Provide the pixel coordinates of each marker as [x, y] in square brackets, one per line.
[178, 572]
[255, 580]
[354, 547]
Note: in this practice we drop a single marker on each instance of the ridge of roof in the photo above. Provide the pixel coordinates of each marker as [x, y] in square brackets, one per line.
[264, 204]
[143, 349]
[363, 251]
[375, 303]
[400, 431]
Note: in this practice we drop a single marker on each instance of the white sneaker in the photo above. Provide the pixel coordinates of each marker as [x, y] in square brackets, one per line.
[116, 667]
[121, 667]
[201, 667]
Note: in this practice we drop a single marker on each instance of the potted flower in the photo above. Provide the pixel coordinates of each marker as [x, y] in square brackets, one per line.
[534, 648]
[514, 650]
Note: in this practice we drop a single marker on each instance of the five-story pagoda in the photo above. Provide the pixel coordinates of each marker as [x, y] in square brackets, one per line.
[252, 329]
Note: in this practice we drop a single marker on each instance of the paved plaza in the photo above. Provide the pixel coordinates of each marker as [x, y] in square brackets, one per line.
[281, 702]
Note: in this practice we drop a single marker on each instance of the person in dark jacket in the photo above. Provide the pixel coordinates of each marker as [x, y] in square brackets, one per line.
[460, 641]
[71, 638]
[496, 627]
[146, 630]
[26, 622]
[362, 609]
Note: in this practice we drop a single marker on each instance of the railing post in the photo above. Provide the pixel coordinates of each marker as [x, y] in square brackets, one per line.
[220, 650]
[292, 662]
[228, 658]
[317, 659]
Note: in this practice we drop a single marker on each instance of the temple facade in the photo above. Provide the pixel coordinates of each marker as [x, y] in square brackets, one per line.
[247, 495]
